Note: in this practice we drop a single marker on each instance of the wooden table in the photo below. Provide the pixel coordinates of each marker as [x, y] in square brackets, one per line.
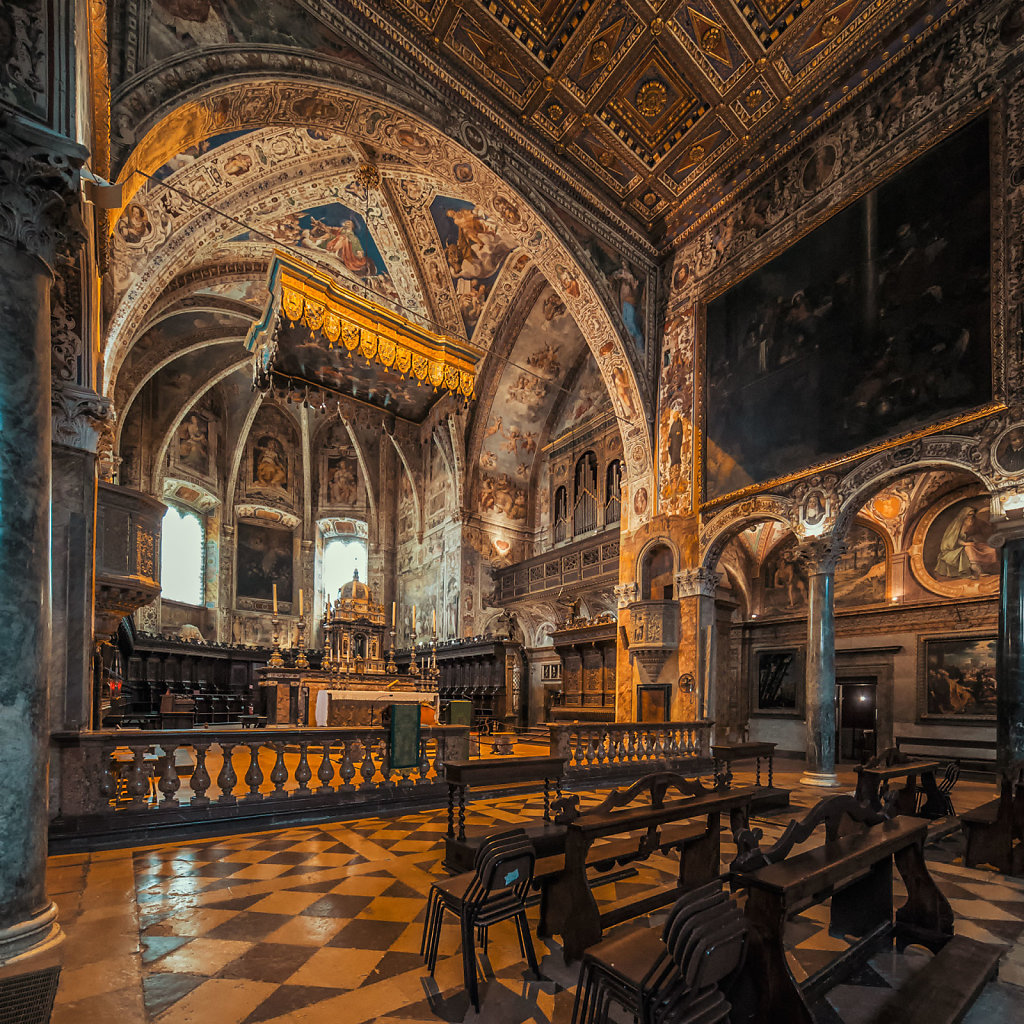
[856, 872]
[727, 753]
[572, 910]
[460, 775]
[869, 786]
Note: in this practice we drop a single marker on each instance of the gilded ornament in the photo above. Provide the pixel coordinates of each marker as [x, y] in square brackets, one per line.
[600, 51]
[754, 98]
[555, 112]
[697, 153]
[651, 98]
[367, 176]
[548, 82]
[650, 198]
[711, 39]
[606, 158]
[830, 26]
[656, 26]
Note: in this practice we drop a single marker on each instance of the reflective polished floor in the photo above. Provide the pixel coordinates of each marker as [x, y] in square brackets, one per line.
[322, 924]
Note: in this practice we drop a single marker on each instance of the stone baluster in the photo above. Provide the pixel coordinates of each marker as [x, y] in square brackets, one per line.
[424, 766]
[108, 780]
[367, 769]
[200, 777]
[303, 773]
[348, 769]
[254, 774]
[279, 773]
[325, 773]
[440, 750]
[169, 781]
[226, 778]
[138, 779]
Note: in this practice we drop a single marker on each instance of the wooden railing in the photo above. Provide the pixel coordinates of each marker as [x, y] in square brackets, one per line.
[136, 771]
[587, 745]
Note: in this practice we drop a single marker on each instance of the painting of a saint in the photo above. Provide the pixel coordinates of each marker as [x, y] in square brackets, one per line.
[342, 481]
[959, 676]
[874, 325]
[963, 549]
[269, 463]
[1010, 451]
[784, 580]
[194, 444]
[950, 552]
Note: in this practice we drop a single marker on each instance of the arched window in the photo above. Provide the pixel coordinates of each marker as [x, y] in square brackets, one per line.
[561, 513]
[613, 492]
[656, 574]
[342, 557]
[584, 499]
[182, 556]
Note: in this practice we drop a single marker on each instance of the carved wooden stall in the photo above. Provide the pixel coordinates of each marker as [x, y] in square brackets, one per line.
[587, 651]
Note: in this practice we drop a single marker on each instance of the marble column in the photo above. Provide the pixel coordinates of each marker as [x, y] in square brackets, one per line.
[820, 559]
[701, 584]
[38, 178]
[1008, 535]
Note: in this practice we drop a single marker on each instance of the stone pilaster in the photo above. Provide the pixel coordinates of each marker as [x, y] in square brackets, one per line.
[38, 185]
[820, 557]
[700, 585]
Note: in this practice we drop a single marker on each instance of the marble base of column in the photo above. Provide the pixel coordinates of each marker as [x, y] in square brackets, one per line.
[32, 943]
[825, 780]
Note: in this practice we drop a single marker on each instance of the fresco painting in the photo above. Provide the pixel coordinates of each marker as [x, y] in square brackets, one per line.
[474, 249]
[950, 550]
[873, 325]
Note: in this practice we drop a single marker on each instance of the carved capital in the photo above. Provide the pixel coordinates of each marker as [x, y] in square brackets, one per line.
[821, 554]
[626, 594]
[39, 184]
[699, 582]
[79, 416]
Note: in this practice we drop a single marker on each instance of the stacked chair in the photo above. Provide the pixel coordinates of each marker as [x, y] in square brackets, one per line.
[671, 977]
[945, 788]
[495, 890]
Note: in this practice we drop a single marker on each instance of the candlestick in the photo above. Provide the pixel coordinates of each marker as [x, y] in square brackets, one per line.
[276, 661]
[301, 661]
[414, 621]
[391, 666]
[393, 604]
[414, 669]
[275, 598]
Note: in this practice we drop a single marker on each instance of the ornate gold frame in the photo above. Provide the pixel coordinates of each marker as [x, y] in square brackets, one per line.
[724, 283]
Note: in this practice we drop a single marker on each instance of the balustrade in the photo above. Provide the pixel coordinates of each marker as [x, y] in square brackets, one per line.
[592, 744]
[127, 772]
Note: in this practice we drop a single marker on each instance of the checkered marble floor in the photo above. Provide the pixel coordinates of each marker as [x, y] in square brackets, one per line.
[323, 923]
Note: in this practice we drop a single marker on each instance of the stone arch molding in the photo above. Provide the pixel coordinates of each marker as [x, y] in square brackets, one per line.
[392, 134]
[734, 518]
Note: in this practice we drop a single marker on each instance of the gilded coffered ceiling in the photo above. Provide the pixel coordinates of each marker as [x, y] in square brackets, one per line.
[657, 106]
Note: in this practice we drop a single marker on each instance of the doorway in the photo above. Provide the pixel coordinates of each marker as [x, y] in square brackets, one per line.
[653, 703]
[856, 725]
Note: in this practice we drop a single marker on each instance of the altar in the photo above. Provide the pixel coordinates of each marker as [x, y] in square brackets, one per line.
[358, 677]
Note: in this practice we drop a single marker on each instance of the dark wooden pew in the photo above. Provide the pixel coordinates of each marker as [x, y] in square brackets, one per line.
[854, 868]
[894, 764]
[995, 830]
[690, 826]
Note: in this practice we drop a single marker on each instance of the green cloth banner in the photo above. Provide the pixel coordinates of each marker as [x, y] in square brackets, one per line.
[405, 736]
[460, 712]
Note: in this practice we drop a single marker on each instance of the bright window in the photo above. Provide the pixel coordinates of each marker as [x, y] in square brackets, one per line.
[343, 556]
[182, 556]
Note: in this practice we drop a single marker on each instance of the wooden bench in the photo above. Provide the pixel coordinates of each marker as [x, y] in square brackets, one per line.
[974, 755]
[568, 907]
[894, 764]
[944, 989]
[995, 830]
[854, 868]
[546, 836]
[725, 754]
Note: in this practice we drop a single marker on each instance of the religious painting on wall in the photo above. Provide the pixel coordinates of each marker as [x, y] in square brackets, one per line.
[194, 445]
[269, 463]
[860, 572]
[264, 558]
[873, 326]
[957, 676]
[340, 476]
[779, 681]
[474, 249]
[784, 581]
[950, 552]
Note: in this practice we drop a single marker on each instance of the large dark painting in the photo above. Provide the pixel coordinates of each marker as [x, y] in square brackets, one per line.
[875, 324]
[779, 676]
[264, 558]
[959, 676]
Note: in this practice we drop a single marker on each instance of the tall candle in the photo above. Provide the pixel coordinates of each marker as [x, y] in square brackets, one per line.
[393, 603]
[414, 618]
[300, 600]
[433, 620]
[275, 598]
